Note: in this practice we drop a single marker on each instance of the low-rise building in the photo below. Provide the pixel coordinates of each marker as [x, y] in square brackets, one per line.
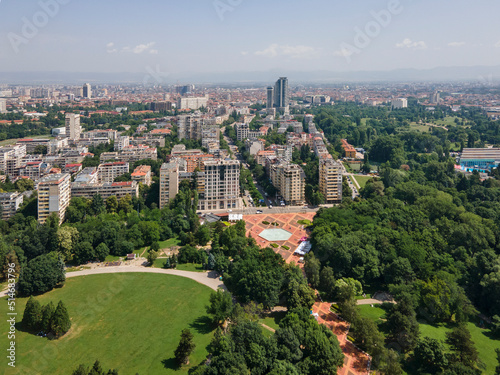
[107, 172]
[105, 190]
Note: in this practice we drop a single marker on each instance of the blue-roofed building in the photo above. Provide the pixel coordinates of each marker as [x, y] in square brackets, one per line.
[480, 159]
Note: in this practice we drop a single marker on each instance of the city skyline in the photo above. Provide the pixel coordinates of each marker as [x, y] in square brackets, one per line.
[121, 37]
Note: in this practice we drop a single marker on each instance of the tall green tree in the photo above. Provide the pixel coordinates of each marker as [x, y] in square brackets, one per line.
[61, 322]
[32, 316]
[185, 348]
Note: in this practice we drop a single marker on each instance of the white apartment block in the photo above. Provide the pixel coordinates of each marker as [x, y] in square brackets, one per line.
[73, 127]
[3, 106]
[131, 154]
[330, 180]
[122, 143]
[11, 159]
[107, 172]
[54, 194]
[192, 103]
[10, 203]
[399, 103]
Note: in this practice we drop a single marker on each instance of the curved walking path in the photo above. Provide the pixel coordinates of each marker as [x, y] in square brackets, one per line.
[209, 279]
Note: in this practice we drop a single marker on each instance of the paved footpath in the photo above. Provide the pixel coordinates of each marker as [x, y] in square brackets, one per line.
[209, 279]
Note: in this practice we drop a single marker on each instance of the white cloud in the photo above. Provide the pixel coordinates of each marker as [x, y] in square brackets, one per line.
[408, 43]
[497, 44]
[110, 48]
[143, 48]
[343, 52]
[296, 52]
[140, 48]
[456, 44]
[244, 53]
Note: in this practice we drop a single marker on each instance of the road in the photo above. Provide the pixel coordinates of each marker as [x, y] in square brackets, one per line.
[209, 279]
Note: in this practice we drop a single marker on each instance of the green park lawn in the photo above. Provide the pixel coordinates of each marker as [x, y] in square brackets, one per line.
[420, 127]
[169, 243]
[362, 180]
[190, 267]
[131, 322]
[273, 320]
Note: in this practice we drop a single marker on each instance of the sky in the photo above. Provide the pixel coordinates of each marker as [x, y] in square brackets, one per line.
[201, 36]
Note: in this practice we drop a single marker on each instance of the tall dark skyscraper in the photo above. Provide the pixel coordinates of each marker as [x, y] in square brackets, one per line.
[270, 97]
[281, 94]
[87, 91]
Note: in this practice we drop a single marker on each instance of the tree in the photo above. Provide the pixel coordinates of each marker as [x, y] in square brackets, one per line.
[185, 348]
[152, 255]
[97, 205]
[102, 251]
[327, 282]
[430, 354]
[32, 316]
[221, 306]
[312, 268]
[112, 204]
[497, 369]
[41, 274]
[47, 314]
[392, 365]
[11, 258]
[66, 237]
[60, 323]
[460, 342]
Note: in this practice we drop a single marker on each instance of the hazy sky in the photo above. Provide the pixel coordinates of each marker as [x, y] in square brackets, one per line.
[246, 35]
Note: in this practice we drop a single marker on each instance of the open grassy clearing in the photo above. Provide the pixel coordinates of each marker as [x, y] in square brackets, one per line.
[131, 322]
[362, 180]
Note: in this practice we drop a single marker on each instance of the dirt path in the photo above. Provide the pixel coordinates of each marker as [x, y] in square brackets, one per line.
[209, 279]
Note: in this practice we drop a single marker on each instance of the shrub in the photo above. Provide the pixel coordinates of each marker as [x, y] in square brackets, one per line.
[285, 247]
[265, 222]
[275, 245]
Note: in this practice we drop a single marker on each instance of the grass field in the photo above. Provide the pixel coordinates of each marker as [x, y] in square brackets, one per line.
[448, 120]
[362, 180]
[131, 322]
[419, 127]
[484, 344]
[169, 243]
[273, 319]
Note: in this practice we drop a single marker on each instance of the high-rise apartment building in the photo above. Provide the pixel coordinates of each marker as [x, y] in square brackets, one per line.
[73, 127]
[281, 94]
[218, 183]
[192, 103]
[192, 126]
[399, 103]
[330, 180]
[87, 91]
[289, 179]
[270, 97]
[169, 182]
[242, 131]
[222, 185]
[54, 194]
[11, 159]
[3, 106]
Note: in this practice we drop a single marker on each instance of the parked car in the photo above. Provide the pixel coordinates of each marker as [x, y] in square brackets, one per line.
[259, 211]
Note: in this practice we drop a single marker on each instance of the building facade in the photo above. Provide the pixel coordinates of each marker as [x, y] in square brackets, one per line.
[54, 194]
[330, 180]
[73, 127]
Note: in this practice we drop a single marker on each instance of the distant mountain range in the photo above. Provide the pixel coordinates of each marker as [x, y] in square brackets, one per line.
[481, 74]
